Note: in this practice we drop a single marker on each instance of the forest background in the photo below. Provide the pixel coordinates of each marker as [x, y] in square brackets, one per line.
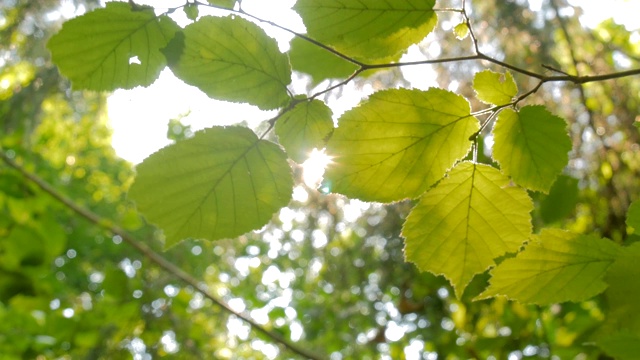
[84, 275]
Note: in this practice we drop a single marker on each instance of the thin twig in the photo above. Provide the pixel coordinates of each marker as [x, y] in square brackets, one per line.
[155, 257]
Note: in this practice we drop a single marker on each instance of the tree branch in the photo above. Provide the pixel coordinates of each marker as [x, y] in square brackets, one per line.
[362, 66]
[155, 257]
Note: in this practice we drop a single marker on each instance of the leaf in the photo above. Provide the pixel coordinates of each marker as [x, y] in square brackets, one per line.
[621, 345]
[191, 11]
[304, 128]
[623, 294]
[398, 143]
[113, 47]
[531, 146]
[231, 59]
[494, 88]
[460, 226]
[633, 216]
[227, 4]
[318, 62]
[561, 201]
[556, 266]
[368, 29]
[223, 182]
[461, 31]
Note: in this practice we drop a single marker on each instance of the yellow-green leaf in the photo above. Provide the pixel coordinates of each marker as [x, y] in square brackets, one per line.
[461, 30]
[227, 4]
[318, 62]
[556, 266]
[191, 10]
[113, 47]
[231, 59]
[531, 146]
[494, 88]
[222, 182]
[470, 218]
[304, 128]
[370, 29]
[398, 143]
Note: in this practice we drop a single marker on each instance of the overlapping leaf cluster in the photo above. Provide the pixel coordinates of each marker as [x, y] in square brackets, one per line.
[398, 144]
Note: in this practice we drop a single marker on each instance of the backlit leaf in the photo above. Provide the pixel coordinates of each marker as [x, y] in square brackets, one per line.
[398, 143]
[231, 59]
[494, 88]
[531, 146]
[461, 30]
[368, 29]
[227, 4]
[113, 47]
[304, 128]
[223, 182]
[556, 266]
[318, 62]
[460, 226]
[191, 11]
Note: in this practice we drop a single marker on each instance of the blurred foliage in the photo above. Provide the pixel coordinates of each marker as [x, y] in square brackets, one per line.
[328, 272]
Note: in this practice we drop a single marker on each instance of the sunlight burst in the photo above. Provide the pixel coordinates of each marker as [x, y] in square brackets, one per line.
[313, 168]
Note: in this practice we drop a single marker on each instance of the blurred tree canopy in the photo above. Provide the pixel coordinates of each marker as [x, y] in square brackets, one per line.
[323, 275]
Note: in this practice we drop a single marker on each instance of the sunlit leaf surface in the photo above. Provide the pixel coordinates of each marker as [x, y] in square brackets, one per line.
[368, 29]
[304, 128]
[532, 146]
[113, 47]
[318, 62]
[460, 226]
[494, 88]
[231, 59]
[221, 183]
[398, 143]
[556, 266]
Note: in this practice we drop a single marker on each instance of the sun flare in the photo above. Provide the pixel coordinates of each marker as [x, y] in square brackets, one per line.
[313, 168]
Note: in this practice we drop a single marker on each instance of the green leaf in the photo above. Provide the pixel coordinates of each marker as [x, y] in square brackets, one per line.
[531, 146]
[227, 4]
[462, 31]
[304, 128]
[494, 88]
[633, 216]
[470, 218]
[114, 47]
[398, 143]
[318, 62]
[368, 29]
[223, 182]
[621, 345]
[561, 201]
[556, 266]
[231, 59]
[191, 10]
[623, 294]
